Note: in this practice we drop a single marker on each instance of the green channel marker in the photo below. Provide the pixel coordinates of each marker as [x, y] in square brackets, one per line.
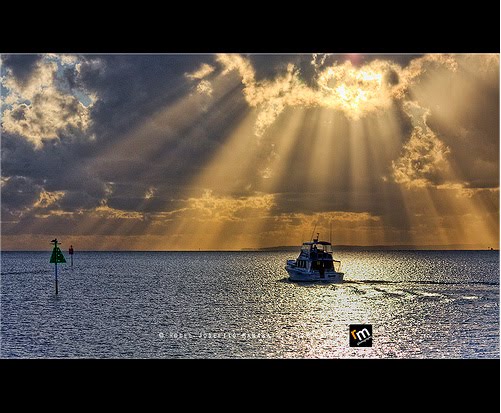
[57, 256]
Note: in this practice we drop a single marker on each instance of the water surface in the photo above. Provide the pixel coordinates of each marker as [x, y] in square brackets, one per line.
[421, 304]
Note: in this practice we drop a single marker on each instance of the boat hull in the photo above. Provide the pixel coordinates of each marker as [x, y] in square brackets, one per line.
[300, 274]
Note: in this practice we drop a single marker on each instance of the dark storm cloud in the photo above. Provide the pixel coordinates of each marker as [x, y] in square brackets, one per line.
[20, 112]
[373, 201]
[267, 67]
[162, 155]
[71, 78]
[473, 136]
[137, 197]
[131, 88]
[401, 59]
[19, 192]
[136, 157]
[157, 203]
[57, 165]
[78, 199]
[21, 65]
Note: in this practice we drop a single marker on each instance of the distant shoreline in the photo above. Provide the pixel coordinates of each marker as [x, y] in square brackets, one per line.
[295, 248]
[454, 247]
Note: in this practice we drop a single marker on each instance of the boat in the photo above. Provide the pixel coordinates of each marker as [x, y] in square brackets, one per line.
[315, 263]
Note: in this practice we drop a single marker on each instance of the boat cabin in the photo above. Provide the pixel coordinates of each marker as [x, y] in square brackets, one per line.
[315, 262]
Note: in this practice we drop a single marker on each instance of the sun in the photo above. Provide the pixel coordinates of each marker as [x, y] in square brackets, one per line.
[355, 91]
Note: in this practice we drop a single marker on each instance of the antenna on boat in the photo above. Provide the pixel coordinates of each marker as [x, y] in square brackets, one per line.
[330, 232]
[313, 232]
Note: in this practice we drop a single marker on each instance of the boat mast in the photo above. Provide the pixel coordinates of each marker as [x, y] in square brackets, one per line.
[313, 232]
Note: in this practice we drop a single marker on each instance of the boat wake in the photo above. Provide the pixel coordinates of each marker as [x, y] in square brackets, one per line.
[419, 282]
[410, 290]
[383, 282]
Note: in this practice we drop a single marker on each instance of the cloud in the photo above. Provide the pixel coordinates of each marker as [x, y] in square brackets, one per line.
[221, 208]
[339, 216]
[204, 87]
[19, 193]
[121, 144]
[62, 166]
[464, 114]
[318, 60]
[150, 192]
[356, 91]
[131, 89]
[79, 200]
[424, 156]
[48, 198]
[21, 66]
[417, 68]
[127, 91]
[455, 116]
[203, 71]
[36, 108]
[104, 211]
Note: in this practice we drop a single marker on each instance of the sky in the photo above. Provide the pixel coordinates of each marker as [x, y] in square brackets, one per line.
[234, 151]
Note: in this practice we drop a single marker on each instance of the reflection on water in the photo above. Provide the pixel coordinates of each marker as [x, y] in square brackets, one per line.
[209, 304]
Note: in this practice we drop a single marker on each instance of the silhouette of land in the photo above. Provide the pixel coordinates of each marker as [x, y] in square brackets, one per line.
[381, 247]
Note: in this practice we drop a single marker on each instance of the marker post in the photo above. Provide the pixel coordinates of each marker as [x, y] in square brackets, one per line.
[70, 251]
[57, 256]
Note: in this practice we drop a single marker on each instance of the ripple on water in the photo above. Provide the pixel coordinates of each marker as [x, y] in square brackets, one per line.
[241, 304]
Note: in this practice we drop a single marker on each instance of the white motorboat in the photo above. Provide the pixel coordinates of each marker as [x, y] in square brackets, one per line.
[315, 263]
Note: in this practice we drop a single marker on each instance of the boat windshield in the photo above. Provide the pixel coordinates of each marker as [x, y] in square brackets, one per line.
[323, 248]
[307, 247]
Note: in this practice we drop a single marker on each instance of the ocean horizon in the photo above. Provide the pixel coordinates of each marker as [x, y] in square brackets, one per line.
[293, 248]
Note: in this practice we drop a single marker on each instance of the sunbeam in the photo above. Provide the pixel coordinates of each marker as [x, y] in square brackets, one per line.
[224, 152]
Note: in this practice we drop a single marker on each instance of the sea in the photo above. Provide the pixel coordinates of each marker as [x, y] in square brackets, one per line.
[402, 304]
